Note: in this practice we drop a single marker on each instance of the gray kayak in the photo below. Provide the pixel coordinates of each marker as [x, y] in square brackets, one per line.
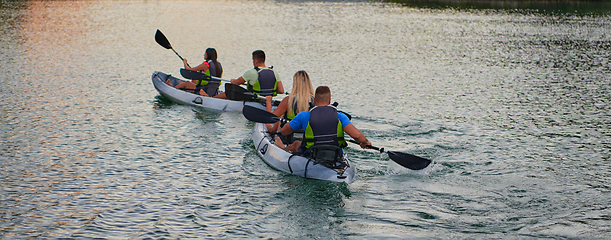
[297, 165]
[187, 98]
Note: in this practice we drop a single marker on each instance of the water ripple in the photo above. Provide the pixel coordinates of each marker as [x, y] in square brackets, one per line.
[511, 106]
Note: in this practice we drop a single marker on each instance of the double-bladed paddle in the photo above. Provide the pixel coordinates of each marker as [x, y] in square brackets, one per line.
[412, 162]
[163, 41]
[259, 115]
[232, 91]
[195, 75]
[406, 160]
[237, 93]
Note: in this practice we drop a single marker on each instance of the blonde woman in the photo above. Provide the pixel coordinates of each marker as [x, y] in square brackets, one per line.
[300, 99]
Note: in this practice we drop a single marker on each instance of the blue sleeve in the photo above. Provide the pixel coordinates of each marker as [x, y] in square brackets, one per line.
[344, 119]
[300, 120]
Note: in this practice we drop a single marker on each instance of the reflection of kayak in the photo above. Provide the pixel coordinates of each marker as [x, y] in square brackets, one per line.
[297, 165]
[187, 98]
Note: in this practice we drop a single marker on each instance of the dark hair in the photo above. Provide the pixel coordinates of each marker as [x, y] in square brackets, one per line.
[212, 55]
[322, 94]
[259, 55]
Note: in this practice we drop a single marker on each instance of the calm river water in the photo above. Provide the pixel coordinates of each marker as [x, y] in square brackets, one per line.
[513, 107]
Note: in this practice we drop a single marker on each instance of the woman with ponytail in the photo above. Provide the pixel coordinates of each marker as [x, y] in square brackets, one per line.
[300, 99]
[210, 67]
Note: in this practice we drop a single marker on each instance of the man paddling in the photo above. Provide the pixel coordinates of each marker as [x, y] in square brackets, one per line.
[323, 125]
[261, 80]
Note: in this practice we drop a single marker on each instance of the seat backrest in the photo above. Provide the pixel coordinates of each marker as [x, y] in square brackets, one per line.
[324, 154]
[212, 88]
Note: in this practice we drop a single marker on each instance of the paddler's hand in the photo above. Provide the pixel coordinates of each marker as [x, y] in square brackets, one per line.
[364, 144]
[184, 61]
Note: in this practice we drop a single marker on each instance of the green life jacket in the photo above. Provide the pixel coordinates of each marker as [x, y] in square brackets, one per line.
[204, 82]
[291, 114]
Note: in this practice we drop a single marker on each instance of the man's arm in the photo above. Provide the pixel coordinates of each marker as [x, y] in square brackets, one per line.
[238, 81]
[357, 135]
[296, 123]
[286, 130]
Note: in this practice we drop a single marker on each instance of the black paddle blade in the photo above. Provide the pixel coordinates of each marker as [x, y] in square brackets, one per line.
[406, 160]
[237, 93]
[259, 115]
[409, 161]
[193, 75]
[162, 40]
[229, 87]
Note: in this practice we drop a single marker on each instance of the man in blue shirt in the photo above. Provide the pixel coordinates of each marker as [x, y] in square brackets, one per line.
[323, 125]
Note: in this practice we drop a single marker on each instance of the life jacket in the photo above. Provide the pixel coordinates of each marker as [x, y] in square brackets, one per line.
[266, 84]
[205, 80]
[324, 128]
[289, 115]
[212, 69]
[208, 85]
[211, 87]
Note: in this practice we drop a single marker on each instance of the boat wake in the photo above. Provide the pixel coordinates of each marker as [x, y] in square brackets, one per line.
[395, 169]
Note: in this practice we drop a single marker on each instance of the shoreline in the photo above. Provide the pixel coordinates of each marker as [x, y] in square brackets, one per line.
[551, 6]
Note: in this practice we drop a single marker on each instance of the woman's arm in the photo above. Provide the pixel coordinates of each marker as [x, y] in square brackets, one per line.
[281, 109]
[202, 67]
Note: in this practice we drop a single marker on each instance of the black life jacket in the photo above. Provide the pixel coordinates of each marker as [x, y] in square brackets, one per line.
[212, 68]
[210, 86]
[266, 84]
[324, 128]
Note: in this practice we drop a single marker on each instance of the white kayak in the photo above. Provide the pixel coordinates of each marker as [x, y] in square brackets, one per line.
[297, 165]
[187, 98]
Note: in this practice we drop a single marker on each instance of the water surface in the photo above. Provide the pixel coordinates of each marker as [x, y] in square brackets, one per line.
[513, 107]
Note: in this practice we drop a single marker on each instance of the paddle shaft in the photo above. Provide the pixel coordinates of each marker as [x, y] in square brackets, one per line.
[162, 40]
[406, 160]
[183, 60]
[195, 75]
[220, 79]
[369, 146]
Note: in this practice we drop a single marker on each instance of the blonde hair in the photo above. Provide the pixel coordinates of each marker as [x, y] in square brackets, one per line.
[302, 92]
